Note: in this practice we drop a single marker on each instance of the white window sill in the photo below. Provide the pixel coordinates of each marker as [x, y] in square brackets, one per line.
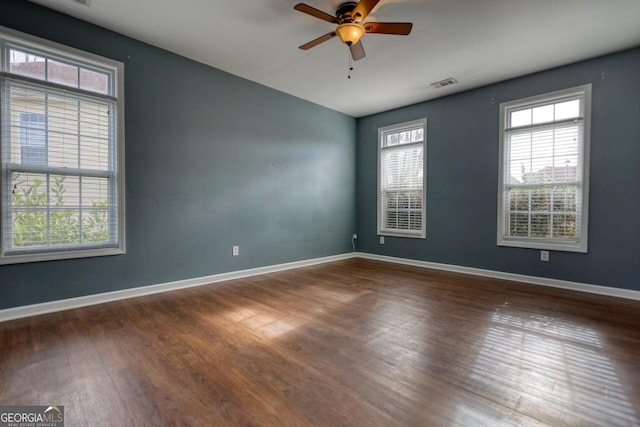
[548, 246]
[59, 255]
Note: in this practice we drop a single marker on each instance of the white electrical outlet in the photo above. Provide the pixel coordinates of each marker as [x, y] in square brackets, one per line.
[236, 250]
[382, 240]
[544, 255]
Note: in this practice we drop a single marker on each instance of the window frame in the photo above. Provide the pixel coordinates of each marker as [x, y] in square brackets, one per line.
[58, 52]
[580, 243]
[382, 132]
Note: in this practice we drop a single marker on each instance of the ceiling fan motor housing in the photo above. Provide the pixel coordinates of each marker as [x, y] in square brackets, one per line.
[344, 11]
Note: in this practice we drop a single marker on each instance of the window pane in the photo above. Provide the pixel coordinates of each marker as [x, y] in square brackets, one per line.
[64, 194]
[520, 158]
[95, 192]
[540, 225]
[415, 200]
[565, 198]
[519, 200]
[64, 191]
[94, 81]
[61, 73]
[64, 228]
[567, 110]
[95, 226]
[392, 139]
[28, 189]
[403, 200]
[415, 221]
[391, 220]
[75, 132]
[567, 143]
[564, 226]
[519, 225]
[542, 143]
[29, 215]
[26, 64]
[402, 168]
[29, 228]
[391, 200]
[521, 118]
[520, 144]
[543, 114]
[63, 131]
[568, 172]
[541, 200]
[63, 150]
[27, 139]
[402, 220]
[95, 129]
[417, 135]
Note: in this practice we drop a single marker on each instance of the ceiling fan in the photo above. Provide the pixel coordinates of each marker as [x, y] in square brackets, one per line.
[350, 30]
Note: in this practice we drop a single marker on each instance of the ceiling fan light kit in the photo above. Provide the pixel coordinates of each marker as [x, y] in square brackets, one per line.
[349, 16]
[350, 33]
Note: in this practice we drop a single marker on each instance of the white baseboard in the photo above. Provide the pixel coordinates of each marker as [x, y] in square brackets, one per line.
[534, 280]
[66, 304]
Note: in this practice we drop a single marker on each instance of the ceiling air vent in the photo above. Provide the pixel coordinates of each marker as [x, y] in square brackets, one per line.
[446, 82]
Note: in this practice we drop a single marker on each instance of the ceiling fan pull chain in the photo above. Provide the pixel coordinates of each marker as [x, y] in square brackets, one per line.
[350, 66]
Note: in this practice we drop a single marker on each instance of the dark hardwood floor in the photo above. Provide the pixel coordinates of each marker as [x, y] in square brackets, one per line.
[354, 342]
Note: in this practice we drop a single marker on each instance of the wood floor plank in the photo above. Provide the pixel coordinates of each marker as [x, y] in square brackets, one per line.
[353, 343]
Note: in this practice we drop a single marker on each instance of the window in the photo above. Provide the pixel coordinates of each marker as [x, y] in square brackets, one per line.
[61, 151]
[401, 179]
[544, 160]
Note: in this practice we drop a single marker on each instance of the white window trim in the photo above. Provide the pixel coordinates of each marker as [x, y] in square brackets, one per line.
[9, 35]
[581, 245]
[398, 233]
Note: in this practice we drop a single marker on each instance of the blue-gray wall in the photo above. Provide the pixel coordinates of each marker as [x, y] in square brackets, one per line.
[212, 161]
[462, 177]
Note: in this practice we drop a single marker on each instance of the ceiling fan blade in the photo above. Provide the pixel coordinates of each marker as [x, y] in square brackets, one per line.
[317, 41]
[398, 28]
[362, 9]
[357, 51]
[305, 8]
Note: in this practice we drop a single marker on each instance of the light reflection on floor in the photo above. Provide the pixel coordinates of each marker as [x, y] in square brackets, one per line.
[552, 371]
[271, 326]
[469, 415]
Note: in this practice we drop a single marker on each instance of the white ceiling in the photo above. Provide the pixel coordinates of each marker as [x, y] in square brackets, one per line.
[477, 42]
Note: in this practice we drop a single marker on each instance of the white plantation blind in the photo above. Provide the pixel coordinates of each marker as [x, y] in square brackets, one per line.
[60, 155]
[401, 201]
[543, 179]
